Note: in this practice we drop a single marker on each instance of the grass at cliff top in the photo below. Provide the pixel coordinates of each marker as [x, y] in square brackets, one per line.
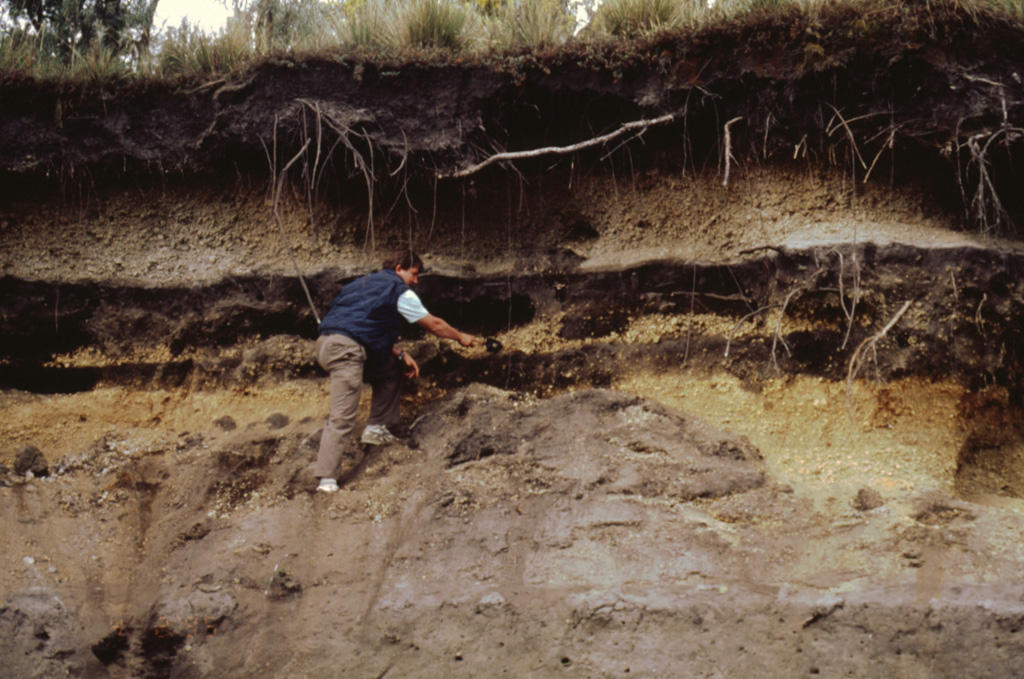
[446, 31]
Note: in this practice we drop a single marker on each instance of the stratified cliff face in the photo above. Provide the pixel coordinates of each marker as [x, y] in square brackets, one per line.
[758, 410]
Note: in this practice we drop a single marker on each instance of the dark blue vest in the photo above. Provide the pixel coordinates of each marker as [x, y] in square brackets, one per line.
[367, 311]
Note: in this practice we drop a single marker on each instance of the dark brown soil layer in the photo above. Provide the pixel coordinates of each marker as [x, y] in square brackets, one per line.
[963, 323]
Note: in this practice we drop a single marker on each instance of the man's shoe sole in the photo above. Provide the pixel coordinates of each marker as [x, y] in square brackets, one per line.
[379, 440]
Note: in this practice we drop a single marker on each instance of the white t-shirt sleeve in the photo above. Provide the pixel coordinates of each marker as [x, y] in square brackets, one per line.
[411, 308]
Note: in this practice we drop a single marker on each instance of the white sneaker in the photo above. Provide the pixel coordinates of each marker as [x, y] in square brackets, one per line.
[378, 435]
[328, 486]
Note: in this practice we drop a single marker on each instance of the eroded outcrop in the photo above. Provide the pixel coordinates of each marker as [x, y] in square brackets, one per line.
[596, 531]
[764, 422]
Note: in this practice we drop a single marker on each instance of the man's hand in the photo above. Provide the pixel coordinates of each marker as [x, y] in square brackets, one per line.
[412, 368]
[467, 340]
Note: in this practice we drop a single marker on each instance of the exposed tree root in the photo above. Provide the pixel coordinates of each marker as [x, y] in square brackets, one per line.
[603, 139]
[777, 337]
[736, 327]
[284, 235]
[848, 312]
[728, 148]
[367, 170]
[857, 360]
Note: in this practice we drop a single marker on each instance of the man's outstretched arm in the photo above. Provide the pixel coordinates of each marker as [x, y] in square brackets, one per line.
[441, 328]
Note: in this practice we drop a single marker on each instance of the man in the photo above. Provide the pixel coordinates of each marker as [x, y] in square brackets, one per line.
[357, 342]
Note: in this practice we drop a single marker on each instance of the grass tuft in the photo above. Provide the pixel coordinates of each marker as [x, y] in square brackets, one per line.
[533, 24]
[187, 50]
[19, 52]
[99, 66]
[634, 18]
[372, 24]
[1012, 9]
[435, 23]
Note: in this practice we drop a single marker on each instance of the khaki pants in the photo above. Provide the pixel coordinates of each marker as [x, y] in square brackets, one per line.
[344, 359]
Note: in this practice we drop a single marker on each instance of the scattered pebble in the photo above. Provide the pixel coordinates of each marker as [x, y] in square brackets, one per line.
[226, 423]
[277, 421]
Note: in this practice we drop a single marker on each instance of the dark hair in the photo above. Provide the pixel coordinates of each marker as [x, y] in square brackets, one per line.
[404, 258]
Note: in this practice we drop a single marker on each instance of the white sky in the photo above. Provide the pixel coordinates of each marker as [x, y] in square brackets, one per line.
[210, 15]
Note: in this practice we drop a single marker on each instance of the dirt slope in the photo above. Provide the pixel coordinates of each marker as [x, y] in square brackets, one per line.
[594, 533]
